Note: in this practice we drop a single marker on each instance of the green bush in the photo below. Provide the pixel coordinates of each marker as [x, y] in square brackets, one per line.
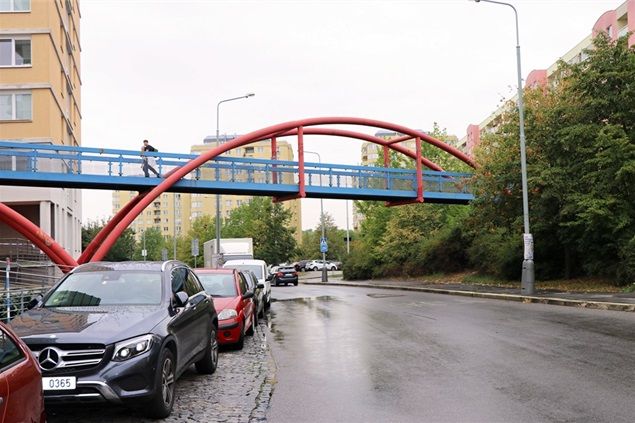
[626, 266]
[497, 253]
[359, 264]
[445, 252]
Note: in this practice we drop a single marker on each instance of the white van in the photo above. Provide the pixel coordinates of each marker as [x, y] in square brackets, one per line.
[259, 267]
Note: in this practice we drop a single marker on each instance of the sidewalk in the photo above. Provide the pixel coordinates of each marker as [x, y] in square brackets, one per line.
[602, 301]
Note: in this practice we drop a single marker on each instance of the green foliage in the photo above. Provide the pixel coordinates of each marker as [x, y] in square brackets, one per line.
[359, 264]
[336, 239]
[154, 243]
[122, 250]
[269, 226]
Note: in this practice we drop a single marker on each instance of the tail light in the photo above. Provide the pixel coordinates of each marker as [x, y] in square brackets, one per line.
[279, 274]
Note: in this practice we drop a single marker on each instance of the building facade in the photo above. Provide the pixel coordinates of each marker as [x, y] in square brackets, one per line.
[174, 213]
[616, 23]
[40, 102]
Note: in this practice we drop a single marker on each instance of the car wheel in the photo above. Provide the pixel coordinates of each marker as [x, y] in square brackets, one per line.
[163, 400]
[295, 283]
[250, 331]
[241, 341]
[207, 365]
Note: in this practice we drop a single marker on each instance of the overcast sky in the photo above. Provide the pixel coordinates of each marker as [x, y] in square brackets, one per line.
[156, 69]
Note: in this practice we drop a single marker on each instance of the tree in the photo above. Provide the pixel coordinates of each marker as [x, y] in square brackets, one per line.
[154, 243]
[269, 226]
[122, 250]
[335, 237]
[581, 168]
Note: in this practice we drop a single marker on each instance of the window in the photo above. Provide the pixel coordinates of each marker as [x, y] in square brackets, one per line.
[192, 285]
[15, 106]
[15, 5]
[9, 351]
[242, 283]
[15, 51]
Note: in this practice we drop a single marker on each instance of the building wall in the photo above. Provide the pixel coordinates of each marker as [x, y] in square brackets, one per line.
[52, 78]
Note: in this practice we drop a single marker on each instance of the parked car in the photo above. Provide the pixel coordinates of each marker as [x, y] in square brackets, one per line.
[301, 265]
[259, 267]
[121, 332]
[285, 275]
[20, 381]
[259, 293]
[317, 265]
[234, 302]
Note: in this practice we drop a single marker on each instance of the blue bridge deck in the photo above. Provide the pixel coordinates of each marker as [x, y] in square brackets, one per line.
[45, 165]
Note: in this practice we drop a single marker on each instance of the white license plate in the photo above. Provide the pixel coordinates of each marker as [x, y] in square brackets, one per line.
[59, 383]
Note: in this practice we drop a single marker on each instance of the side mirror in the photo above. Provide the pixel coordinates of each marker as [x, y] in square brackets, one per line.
[34, 302]
[181, 298]
[248, 294]
[260, 285]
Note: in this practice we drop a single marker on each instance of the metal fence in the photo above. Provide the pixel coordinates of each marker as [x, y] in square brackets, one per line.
[21, 281]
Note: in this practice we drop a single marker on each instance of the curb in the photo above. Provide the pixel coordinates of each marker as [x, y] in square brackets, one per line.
[597, 305]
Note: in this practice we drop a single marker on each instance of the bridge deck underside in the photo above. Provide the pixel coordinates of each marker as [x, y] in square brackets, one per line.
[133, 183]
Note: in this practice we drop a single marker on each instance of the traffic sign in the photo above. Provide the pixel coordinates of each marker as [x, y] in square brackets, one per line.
[195, 247]
[323, 246]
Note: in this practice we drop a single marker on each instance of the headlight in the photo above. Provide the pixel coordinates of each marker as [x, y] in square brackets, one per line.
[228, 313]
[129, 348]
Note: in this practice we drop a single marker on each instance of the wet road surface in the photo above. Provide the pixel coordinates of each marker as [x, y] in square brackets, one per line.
[369, 355]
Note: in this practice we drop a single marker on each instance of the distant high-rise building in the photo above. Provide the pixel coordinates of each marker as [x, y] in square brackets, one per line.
[40, 102]
[615, 23]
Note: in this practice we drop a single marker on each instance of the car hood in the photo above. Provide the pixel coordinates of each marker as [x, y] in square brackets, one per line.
[99, 325]
[221, 303]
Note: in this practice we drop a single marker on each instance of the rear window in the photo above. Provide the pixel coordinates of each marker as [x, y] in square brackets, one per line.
[257, 269]
[112, 287]
[218, 285]
[286, 269]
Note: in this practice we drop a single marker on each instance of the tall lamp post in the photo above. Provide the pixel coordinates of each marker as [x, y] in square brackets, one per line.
[325, 277]
[218, 144]
[528, 274]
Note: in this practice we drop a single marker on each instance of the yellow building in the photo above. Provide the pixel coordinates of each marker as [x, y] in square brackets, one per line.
[40, 102]
[170, 213]
[162, 213]
[205, 204]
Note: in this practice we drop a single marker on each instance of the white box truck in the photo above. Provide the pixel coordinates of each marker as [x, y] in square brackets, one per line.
[230, 249]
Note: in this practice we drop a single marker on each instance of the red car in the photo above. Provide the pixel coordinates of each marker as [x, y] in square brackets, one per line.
[233, 302]
[21, 397]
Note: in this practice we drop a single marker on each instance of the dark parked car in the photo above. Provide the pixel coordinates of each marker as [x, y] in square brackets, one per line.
[121, 332]
[300, 266]
[20, 381]
[285, 275]
[234, 301]
[259, 293]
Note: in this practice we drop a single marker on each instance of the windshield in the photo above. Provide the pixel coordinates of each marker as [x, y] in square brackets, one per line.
[257, 269]
[112, 287]
[218, 285]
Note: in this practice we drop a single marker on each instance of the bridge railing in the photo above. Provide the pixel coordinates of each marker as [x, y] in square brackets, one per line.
[47, 158]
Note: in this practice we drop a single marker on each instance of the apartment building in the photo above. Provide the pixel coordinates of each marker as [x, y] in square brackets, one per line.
[173, 213]
[616, 23]
[40, 102]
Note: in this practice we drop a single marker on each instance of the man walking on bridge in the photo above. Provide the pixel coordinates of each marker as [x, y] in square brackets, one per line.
[146, 164]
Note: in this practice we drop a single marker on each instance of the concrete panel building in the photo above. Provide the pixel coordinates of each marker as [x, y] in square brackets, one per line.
[40, 102]
[616, 23]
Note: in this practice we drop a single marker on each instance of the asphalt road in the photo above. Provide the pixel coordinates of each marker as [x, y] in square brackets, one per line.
[369, 355]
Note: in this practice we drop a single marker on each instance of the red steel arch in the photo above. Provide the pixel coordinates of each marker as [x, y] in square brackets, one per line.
[38, 237]
[270, 132]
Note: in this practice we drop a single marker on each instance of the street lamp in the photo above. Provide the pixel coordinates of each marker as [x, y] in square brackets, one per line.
[528, 278]
[217, 145]
[325, 277]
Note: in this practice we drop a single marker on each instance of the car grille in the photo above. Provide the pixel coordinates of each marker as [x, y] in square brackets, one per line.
[68, 358]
